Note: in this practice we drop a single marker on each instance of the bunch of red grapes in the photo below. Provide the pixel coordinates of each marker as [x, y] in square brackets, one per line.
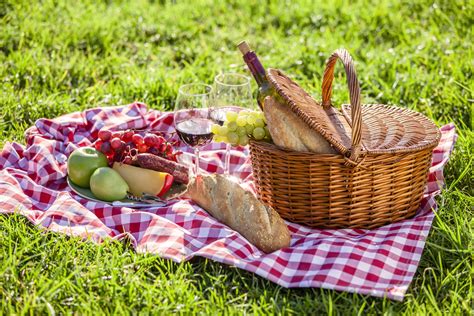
[122, 146]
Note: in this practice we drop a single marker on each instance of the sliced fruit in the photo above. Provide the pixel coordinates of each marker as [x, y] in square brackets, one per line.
[141, 180]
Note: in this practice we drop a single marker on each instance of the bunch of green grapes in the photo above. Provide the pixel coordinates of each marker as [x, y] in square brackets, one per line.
[239, 127]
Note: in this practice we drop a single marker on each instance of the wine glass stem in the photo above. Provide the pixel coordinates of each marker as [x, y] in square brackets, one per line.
[196, 166]
[227, 159]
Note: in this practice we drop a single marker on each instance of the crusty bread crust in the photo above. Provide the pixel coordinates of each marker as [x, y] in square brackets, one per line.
[239, 209]
[290, 132]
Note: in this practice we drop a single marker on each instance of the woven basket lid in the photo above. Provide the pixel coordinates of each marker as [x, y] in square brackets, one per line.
[328, 122]
[372, 129]
[389, 129]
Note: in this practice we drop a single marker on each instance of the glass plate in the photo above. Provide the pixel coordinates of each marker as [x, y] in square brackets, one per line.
[86, 193]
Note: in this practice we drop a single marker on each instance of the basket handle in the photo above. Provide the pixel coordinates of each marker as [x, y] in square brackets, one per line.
[354, 93]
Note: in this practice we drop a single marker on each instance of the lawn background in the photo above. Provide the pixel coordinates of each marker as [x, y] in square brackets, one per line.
[62, 56]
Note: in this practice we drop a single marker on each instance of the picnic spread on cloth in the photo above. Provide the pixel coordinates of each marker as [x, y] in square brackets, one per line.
[341, 200]
[379, 262]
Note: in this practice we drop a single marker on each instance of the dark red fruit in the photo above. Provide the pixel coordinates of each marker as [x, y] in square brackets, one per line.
[104, 134]
[110, 157]
[160, 140]
[127, 160]
[115, 143]
[106, 148]
[150, 139]
[98, 144]
[142, 148]
[162, 147]
[116, 157]
[116, 135]
[127, 136]
[123, 146]
[137, 139]
[168, 149]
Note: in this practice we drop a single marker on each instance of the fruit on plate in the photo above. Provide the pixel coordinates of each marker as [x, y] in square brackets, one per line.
[122, 146]
[141, 180]
[82, 163]
[107, 184]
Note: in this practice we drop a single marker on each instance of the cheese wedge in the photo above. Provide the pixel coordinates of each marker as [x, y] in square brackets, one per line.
[142, 180]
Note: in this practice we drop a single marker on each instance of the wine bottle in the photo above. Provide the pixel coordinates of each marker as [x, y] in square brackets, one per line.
[258, 72]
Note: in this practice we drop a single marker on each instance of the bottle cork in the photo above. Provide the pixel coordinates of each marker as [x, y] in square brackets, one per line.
[243, 47]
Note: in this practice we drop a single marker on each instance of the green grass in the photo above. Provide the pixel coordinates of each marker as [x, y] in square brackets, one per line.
[62, 56]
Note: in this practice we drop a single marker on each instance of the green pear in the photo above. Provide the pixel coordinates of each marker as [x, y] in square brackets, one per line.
[107, 185]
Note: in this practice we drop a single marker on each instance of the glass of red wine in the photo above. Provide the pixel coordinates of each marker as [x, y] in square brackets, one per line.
[191, 117]
[232, 93]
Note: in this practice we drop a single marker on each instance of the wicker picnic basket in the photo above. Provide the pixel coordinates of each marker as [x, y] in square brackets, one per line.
[377, 177]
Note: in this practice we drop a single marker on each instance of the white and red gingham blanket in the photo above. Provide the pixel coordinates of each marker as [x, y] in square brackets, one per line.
[379, 262]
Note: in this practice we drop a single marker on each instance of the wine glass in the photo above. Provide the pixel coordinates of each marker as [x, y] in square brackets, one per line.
[232, 93]
[191, 116]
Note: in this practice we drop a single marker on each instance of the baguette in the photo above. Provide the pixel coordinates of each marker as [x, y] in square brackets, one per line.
[290, 132]
[230, 204]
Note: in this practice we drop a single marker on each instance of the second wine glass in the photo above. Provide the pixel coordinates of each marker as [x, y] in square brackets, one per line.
[232, 93]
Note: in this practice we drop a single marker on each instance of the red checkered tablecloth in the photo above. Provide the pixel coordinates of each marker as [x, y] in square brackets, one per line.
[379, 262]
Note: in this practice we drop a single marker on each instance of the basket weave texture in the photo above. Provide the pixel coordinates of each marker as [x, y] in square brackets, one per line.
[379, 176]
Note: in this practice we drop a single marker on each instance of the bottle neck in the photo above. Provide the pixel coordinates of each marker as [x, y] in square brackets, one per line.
[256, 68]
